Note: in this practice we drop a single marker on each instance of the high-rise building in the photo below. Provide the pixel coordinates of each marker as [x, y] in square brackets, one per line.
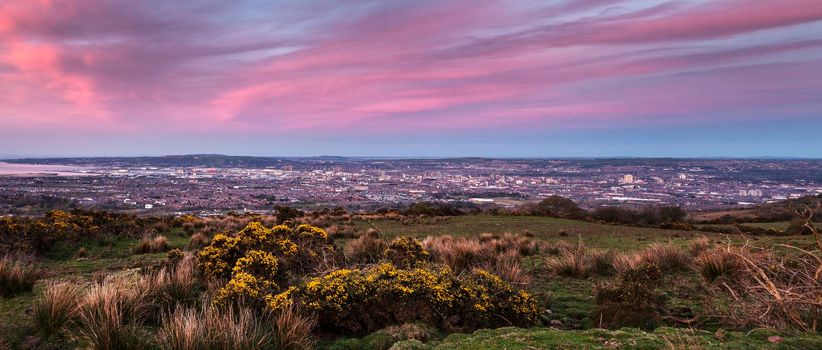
[628, 179]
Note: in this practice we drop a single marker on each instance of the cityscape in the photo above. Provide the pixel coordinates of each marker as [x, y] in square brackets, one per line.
[217, 184]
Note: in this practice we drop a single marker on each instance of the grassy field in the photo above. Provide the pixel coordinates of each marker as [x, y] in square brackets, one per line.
[595, 235]
[569, 301]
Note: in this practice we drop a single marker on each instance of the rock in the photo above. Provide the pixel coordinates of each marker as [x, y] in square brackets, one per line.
[720, 334]
[775, 339]
[556, 323]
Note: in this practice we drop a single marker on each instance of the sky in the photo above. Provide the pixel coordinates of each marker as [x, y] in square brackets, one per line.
[405, 78]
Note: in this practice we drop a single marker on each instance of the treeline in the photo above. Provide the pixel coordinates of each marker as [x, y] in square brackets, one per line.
[774, 212]
[561, 207]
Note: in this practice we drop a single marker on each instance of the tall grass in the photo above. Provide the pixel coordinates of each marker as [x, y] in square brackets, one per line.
[498, 254]
[234, 328]
[149, 244]
[699, 245]
[198, 240]
[666, 257]
[57, 306]
[568, 264]
[366, 249]
[172, 285]
[111, 314]
[293, 329]
[17, 274]
[713, 264]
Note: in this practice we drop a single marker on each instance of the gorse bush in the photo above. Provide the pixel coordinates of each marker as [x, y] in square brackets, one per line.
[406, 252]
[258, 261]
[37, 235]
[366, 300]
[17, 274]
[263, 265]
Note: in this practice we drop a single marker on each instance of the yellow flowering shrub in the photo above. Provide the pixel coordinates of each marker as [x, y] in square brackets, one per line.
[406, 252]
[381, 295]
[258, 261]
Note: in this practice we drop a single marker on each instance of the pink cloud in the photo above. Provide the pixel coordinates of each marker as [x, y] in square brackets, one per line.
[399, 66]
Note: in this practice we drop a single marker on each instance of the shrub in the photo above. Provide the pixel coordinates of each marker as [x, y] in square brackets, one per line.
[406, 252]
[220, 256]
[111, 314]
[632, 300]
[258, 262]
[58, 305]
[558, 206]
[715, 263]
[666, 257]
[149, 244]
[17, 274]
[381, 295]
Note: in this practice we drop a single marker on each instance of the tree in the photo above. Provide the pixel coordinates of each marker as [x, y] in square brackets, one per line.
[558, 206]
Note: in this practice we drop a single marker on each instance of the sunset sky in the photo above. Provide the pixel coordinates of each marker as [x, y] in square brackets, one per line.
[534, 78]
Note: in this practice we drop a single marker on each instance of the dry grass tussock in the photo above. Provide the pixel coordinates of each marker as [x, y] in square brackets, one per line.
[172, 285]
[198, 240]
[366, 249]
[699, 245]
[498, 254]
[580, 262]
[148, 244]
[17, 274]
[781, 290]
[234, 328]
[56, 307]
[716, 263]
[112, 313]
[667, 257]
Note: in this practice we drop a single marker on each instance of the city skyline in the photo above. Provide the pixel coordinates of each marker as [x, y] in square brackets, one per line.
[536, 79]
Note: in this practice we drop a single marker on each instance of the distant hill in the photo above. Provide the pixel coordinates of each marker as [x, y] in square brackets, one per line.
[189, 160]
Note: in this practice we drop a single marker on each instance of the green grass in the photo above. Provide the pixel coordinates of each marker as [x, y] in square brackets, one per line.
[626, 338]
[549, 229]
[614, 237]
[61, 264]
